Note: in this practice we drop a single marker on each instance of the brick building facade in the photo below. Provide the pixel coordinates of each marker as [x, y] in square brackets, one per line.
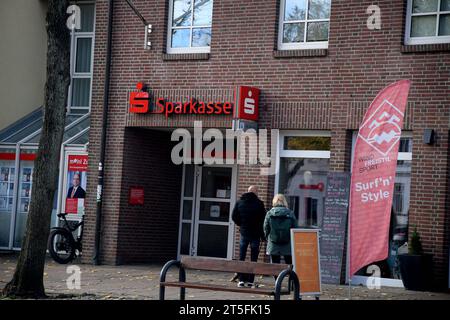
[324, 90]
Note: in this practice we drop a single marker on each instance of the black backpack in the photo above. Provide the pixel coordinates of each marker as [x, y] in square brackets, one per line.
[280, 229]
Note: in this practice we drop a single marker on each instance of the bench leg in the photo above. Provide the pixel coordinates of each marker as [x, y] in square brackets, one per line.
[162, 292]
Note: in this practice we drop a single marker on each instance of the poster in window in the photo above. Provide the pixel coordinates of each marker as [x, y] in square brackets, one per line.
[76, 183]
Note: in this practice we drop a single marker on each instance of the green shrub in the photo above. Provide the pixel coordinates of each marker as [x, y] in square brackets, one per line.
[415, 246]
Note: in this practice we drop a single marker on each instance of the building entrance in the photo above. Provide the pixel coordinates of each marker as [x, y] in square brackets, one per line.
[208, 197]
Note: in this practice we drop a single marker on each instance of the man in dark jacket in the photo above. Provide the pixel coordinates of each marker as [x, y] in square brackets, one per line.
[249, 214]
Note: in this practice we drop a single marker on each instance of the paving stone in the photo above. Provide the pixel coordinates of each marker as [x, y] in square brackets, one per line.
[130, 282]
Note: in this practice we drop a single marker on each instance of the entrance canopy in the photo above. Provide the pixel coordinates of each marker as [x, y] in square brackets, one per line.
[18, 150]
[27, 131]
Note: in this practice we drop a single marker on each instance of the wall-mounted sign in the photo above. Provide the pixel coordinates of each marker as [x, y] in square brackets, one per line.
[306, 260]
[77, 165]
[192, 107]
[136, 196]
[246, 106]
[140, 100]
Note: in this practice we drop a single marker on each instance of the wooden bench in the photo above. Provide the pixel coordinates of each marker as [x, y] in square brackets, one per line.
[205, 264]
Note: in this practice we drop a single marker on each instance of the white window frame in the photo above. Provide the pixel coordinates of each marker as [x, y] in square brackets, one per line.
[75, 35]
[189, 49]
[304, 44]
[311, 154]
[423, 40]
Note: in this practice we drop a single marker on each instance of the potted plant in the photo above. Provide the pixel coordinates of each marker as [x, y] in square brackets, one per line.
[416, 267]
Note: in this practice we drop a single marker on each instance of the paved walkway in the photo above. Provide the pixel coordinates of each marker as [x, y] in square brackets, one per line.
[141, 282]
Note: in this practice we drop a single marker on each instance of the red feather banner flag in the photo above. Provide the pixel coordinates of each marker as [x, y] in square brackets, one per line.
[373, 176]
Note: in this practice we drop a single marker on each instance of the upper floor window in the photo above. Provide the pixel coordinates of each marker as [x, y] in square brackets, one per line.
[427, 22]
[189, 29]
[81, 59]
[304, 24]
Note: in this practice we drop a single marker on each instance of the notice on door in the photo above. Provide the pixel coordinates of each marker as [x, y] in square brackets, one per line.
[306, 260]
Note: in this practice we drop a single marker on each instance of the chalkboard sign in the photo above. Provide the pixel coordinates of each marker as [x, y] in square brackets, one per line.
[332, 237]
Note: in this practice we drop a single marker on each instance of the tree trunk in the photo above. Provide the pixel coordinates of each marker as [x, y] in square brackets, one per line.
[28, 276]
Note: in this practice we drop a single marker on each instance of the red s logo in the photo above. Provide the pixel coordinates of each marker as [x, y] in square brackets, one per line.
[139, 101]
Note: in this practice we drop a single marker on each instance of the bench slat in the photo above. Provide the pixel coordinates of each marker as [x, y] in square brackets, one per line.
[194, 285]
[267, 269]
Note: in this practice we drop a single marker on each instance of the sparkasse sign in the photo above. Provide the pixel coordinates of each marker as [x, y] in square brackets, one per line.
[246, 105]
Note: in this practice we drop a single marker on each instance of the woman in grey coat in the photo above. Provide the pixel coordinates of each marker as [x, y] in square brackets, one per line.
[277, 229]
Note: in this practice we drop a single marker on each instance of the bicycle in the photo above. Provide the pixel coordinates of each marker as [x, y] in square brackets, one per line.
[62, 245]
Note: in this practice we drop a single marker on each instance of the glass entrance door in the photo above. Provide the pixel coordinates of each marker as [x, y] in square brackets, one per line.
[205, 219]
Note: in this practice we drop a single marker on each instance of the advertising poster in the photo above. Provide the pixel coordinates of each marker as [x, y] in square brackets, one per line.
[306, 260]
[76, 183]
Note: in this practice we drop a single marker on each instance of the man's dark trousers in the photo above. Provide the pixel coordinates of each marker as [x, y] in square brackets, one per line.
[254, 252]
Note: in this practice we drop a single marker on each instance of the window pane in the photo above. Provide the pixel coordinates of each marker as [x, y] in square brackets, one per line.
[181, 13]
[319, 9]
[303, 182]
[202, 12]
[87, 17]
[214, 211]
[83, 56]
[444, 25]
[24, 197]
[201, 37]
[294, 32]
[445, 5]
[307, 143]
[216, 182]
[181, 38]
[189, 180]
[420, 6]
[212, 241]
[7, 178]
[187, 209]
[185, 238]
[80, 92]
[405, 145]
[424, 26]
[295, 10]
[317, 31]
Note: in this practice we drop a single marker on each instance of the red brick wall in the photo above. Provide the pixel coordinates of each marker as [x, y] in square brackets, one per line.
[329, 91]
[149, 233]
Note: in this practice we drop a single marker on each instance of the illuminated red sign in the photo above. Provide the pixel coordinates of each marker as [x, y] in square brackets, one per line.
[139, 101]
[247, 103]
[192, 107]
[247, 106]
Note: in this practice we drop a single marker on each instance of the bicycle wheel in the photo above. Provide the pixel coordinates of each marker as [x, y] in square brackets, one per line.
[61, 246]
